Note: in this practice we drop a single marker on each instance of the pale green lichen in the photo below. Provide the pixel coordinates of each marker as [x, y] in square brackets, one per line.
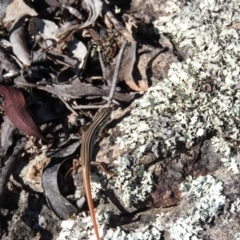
[97, 183]
[235, 206]
[81, 228]
[180, 111]
[150, 232]
[131, 180]
[206, 194]
[229, 158]
[181, 108]
[207, 191]
[237, 236]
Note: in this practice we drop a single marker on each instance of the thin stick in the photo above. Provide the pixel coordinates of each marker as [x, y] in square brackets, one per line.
[87, 107]
[7, 169]
[103, 66]
[67, 105]
[116, 71]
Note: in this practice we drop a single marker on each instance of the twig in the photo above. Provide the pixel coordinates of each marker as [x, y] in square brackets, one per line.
[6, 170]
[87, 107]
[67, 105]
[103, 66]
[113, 100]
[116, 71]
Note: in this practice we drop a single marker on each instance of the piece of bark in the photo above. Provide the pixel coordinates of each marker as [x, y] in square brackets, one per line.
[15, 108]
[7, 132]
[75, 90]
[6, 170]
[61, 58]
[126, 69]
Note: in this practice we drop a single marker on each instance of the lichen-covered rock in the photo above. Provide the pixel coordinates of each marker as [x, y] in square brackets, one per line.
[201, 95]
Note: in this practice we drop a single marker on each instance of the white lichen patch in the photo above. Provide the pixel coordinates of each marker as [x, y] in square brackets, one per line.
[98, 182]
[178, 109]
[81, 228]
[235, 206]
[207, 191]
[150, 232]
[229, 159]
[132, 180]
[206, 194]
[201, 95]
[237, 236]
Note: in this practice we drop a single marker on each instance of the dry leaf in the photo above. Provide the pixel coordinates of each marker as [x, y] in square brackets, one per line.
[18, 41]
[16, 9]
[15, 108]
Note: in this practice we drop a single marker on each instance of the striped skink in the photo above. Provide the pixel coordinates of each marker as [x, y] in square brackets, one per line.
[89, 138]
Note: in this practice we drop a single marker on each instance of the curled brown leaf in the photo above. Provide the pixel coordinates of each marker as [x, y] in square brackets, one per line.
[18, 41]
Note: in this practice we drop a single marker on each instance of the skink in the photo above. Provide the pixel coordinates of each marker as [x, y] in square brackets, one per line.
[89, 138]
